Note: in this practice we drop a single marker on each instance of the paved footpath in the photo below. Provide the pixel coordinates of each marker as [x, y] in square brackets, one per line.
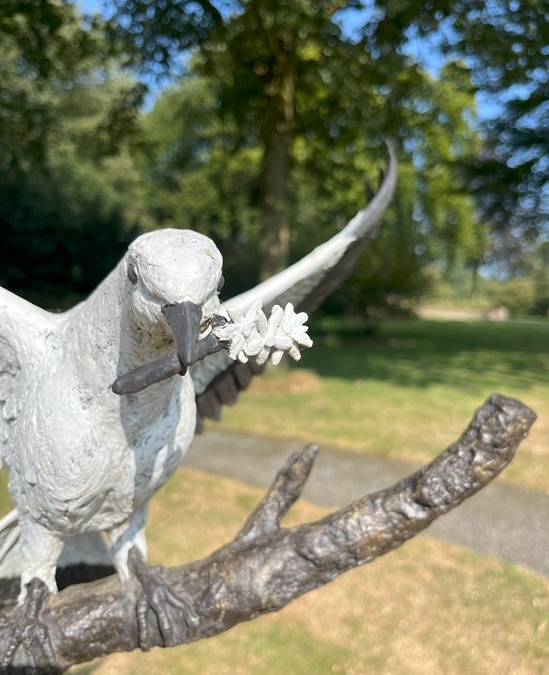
[502, 520]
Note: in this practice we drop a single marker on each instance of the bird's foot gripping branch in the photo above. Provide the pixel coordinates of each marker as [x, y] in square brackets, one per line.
[243, 579]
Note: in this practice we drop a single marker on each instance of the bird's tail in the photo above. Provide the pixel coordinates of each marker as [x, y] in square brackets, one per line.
[10, 555]
[88, 548]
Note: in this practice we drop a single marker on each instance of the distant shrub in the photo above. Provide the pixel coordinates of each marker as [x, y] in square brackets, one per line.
[518, 295]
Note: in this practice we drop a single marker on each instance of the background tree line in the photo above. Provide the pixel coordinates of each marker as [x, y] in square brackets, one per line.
[257, 123]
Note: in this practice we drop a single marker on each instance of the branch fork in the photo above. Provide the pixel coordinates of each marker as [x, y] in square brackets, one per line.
[267, 565]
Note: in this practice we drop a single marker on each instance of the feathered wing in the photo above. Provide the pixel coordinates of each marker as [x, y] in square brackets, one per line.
[218, 380]
[9, 371]
[23, 328]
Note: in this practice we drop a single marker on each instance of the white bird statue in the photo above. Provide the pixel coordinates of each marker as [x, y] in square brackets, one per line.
[93, 421]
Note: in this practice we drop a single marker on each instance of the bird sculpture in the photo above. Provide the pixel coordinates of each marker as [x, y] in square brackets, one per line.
[100, 404]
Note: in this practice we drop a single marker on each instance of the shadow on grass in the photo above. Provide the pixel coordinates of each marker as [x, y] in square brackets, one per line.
[425, 353]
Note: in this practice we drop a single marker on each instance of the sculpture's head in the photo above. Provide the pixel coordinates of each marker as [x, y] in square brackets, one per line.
[174, 277]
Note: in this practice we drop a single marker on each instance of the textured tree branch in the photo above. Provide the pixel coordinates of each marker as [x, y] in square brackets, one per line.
[266, 566]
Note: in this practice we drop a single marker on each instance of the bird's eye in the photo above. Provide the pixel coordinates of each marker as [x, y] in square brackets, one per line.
[221, 284]
[132, 273]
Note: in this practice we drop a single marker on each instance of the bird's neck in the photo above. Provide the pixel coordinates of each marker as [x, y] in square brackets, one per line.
[103, 335]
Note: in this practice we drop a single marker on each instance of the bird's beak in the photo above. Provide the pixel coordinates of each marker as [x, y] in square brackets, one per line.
[184, 319]
[186, 322]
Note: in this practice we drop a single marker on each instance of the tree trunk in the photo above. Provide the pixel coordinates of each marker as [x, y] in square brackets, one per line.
[475, 264]
[274, 244]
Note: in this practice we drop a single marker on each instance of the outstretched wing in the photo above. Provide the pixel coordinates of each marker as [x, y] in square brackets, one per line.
[23, 331]
[218, 380]
[9, 370]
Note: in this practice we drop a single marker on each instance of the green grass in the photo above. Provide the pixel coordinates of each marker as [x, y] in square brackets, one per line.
[408, 391]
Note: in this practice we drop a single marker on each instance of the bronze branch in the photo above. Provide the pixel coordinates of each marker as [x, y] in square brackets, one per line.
[266, 566]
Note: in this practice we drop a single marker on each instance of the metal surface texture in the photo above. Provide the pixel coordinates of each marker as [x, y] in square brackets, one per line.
[266, 565]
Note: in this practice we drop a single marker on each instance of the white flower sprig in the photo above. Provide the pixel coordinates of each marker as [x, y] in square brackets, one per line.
[251, 335]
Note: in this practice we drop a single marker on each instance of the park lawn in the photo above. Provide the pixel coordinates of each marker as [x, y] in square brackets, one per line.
[427, 607]
[406, 392]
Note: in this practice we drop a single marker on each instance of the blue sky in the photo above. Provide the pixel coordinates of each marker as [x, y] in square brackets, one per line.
[90, 6]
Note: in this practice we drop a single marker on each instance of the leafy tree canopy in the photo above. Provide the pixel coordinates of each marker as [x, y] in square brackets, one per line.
[506, 46]
[277, 56]
[278, 116]
[66, 177]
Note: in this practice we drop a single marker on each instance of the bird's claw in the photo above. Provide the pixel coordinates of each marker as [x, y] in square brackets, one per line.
[174, 612]
[30, 633]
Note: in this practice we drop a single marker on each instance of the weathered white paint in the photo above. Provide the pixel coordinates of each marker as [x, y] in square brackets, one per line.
[81, 458]
[84, 460]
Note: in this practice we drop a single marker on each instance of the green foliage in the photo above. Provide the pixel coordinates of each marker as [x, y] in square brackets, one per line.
[506, 45]
[42, 42]
[286, 71]
[541, 278]
[518, 295]
[155, 32]
[203, 173]
[67, 187]
[276, 118]
[197, 176]
[48, 34]
[288, 80]
[62, 230]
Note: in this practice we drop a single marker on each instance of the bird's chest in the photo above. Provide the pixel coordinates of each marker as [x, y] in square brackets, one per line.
[91, 458]
[71, 458]
[159, 437]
